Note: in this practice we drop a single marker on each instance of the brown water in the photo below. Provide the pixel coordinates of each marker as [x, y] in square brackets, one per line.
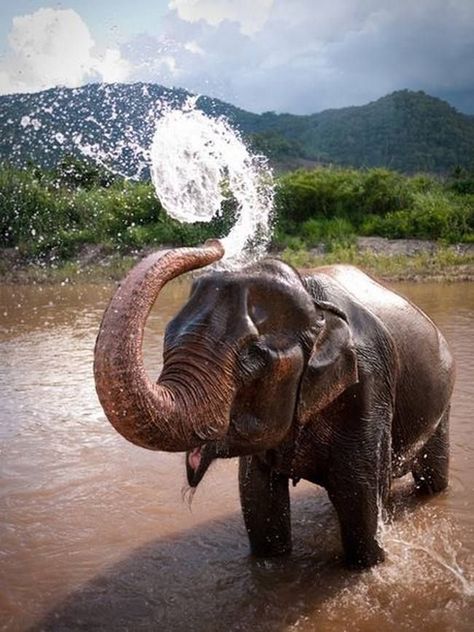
[95, 535]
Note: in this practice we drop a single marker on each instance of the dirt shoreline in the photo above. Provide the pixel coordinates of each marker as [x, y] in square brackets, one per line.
[387, 259]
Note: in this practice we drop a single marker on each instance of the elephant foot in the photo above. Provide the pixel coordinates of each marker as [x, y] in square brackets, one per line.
[365, 558]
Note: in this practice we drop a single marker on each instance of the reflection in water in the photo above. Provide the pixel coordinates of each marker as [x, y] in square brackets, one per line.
[94, 534]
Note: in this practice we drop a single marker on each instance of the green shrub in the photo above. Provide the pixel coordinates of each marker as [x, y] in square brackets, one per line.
[57, 212]
[432, 216]
[337, 229]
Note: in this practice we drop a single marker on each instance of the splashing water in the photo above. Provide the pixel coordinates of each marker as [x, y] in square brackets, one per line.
[194, 159]
[440, 547]
[195, 162]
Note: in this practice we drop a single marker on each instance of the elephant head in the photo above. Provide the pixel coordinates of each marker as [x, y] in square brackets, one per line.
[250, 354]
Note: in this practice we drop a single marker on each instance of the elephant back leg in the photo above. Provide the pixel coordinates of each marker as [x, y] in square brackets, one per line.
[430, 469]
[265, 500]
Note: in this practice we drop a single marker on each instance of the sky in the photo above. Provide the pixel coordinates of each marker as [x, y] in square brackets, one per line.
[298, 56]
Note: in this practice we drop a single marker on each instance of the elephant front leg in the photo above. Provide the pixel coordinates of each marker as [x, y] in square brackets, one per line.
[265, 501]
[358, 488]
[358, 512]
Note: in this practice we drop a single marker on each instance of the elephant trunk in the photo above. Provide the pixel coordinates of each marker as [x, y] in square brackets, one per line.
[179, 412]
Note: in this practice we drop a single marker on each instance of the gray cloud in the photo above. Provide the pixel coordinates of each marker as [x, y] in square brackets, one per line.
[300, 56]
[310, 55]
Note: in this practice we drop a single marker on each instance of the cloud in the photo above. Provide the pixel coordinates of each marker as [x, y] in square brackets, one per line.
[111, 66]
[251, 15]
[55, 47]
[193, 47]
[155, 59]
[300, 56]
[307, 56]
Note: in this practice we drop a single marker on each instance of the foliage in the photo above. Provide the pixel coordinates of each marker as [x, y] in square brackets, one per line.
[406, 131]
[55, 213]
[444, 263]
[332, 205]
[72, 172]
[462, 181]
[41, 216]
[433, 215]
[273, 145]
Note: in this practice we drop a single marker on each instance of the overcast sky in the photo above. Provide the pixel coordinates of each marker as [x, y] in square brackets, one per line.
[298, 56]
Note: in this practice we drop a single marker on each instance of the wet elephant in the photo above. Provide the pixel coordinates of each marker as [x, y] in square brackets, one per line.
[330, 378]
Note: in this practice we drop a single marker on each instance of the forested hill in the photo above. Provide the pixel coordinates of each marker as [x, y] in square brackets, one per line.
[407, 131]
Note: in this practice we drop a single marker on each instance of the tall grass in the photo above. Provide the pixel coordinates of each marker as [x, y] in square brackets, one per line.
[39, 215]
[332, 205]
[45, 213]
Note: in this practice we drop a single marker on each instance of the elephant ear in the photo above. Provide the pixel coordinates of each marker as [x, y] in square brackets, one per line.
[332, 366]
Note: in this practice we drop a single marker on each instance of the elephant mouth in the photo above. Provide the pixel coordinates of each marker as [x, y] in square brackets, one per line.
[198, 461]
[243, 438]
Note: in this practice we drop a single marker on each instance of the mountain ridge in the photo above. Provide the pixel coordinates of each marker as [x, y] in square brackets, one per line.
[405, 130]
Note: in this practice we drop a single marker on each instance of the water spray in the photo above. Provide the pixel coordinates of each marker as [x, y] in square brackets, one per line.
[196, 161]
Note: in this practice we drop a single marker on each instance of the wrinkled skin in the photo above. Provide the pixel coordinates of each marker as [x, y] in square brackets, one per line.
[331, 378]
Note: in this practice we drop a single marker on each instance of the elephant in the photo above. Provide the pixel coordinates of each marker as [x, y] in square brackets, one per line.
[329, 377]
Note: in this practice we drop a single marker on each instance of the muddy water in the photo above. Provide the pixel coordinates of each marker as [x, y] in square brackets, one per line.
[95, 535]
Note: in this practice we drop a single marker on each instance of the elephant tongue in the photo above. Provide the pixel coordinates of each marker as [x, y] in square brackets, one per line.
[194, 458]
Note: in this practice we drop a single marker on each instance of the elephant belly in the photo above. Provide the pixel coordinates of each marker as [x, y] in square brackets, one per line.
[423, 392]
[425, 367]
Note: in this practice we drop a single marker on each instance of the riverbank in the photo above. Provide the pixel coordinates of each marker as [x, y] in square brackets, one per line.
[386, 259]
[394, 259]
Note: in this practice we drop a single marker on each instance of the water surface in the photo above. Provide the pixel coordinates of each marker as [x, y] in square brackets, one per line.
[95, 535]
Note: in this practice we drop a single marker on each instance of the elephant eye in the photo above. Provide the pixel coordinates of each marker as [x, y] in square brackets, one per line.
[256, 356]
[259, 351]
[258, 314]
[253, 360]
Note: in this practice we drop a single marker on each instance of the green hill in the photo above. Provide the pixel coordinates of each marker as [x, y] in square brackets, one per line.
[406, 131]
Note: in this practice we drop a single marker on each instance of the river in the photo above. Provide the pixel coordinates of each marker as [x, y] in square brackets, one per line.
[95, 534]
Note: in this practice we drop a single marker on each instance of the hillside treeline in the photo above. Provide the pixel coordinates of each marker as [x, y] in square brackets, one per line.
[406, 131]
[54, 213]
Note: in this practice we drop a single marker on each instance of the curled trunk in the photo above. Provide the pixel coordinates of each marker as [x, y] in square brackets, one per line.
[179, 411]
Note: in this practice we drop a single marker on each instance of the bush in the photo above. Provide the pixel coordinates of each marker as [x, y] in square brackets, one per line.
[30, 212]
[348, 193]
[332, 205]
[59, 211]
[338, 229]
[432, 216]
[38, 215]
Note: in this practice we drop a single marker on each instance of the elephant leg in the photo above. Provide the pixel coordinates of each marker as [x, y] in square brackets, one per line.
[265, 501]
[430, 469]
[359, 494]
[358, 513]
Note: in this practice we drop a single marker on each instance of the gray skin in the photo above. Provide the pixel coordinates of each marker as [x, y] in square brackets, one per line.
[331, 378]
[366, 399]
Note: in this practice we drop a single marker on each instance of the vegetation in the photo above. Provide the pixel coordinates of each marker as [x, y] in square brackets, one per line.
[442, 264]
[406, 131]
[54, 213]
[51, 216]
[334, 205]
